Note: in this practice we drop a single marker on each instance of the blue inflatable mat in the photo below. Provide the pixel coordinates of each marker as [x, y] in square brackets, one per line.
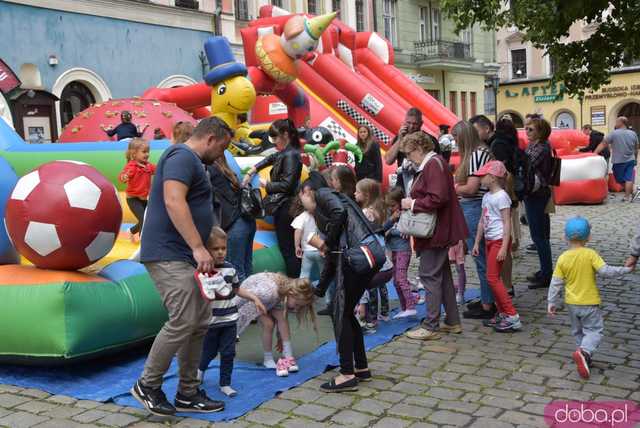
[110, 378]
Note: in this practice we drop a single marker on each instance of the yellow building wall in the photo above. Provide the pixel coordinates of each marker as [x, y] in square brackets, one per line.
[599, 108]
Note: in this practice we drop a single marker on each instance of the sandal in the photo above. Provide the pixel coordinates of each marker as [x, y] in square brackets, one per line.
[364, 376]
[350, 385]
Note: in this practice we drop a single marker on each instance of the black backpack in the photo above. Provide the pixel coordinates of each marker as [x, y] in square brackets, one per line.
[523, 178]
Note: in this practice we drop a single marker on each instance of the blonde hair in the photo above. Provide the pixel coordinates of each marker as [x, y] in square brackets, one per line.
[468, 141]
[372, 192]
[135, 145]
[301, 290]
[181, 132]
[216, 234]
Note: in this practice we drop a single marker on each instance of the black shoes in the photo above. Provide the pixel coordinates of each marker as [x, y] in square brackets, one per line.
[478, 313]
[350, 385]
[364, 376]
[536, 277]
[532, 248]
[198, 402]
[523, 220]
[153, 400]
[540, 284]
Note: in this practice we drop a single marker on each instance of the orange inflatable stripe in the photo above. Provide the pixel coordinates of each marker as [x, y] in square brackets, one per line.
[22, 275]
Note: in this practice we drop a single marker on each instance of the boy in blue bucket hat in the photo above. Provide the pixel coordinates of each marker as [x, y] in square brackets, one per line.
[576, 271]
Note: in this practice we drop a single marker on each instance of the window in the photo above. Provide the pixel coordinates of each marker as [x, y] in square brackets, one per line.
[424, 24]
[336, 7]
[519, 64]
[474, 103]
[360, 15]
[467, 36]
[312, 7]
[389, 18]
[435, 24]
[553, 66]
[453, 102]
[435, 93]
[463, 105]
[277, 3]
[242, 10]
[187, 4]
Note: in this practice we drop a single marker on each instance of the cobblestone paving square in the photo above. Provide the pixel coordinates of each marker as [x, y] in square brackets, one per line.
[475, 379]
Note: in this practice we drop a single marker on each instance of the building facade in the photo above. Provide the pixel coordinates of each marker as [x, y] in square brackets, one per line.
[453, 68]
[525, 87]
[70, 54]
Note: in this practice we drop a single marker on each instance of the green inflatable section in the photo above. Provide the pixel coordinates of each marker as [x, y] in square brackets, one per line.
[65, 320]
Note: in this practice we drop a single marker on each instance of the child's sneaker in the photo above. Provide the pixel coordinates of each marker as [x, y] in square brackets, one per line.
[404, 314]
[228, 391]
[369, 328]
[583, 361]
[292, 365]
[282, 369]
[383, 317]
[508, 324]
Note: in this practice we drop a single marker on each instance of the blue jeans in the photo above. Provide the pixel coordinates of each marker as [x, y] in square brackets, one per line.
[472, 211]
[240, 246]
[312, 264]
[220, 340]
[540, 229]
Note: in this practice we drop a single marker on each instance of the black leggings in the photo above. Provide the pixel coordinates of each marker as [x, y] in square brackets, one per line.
[351, 343]
[284, 233]
[137, 207]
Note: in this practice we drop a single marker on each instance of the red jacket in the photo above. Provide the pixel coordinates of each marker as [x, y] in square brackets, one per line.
[139, 183]
[434, 191]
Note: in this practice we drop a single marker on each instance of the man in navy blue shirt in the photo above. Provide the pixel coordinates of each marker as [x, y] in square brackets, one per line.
[178, 221]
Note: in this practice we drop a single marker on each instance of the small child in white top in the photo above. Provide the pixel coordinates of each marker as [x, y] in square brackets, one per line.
[495, 225]
[304, 227]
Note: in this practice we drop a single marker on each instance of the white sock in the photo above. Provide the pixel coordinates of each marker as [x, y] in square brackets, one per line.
[268, 360]
[228, 391]
[286, 349]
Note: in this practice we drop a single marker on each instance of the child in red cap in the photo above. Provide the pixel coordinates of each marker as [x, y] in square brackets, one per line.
[495, 226]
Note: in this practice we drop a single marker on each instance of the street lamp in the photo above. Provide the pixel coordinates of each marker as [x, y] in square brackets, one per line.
[495, 82]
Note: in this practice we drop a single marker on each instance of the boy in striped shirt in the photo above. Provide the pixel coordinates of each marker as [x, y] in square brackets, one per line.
[222, 333]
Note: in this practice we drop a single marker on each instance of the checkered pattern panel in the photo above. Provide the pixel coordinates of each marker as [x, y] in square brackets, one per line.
[336, 130]
[378, 134]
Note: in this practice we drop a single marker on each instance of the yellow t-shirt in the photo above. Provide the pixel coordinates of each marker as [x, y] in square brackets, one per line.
[578, 267]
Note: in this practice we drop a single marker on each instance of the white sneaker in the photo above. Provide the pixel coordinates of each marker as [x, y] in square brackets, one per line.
[228, 391]
[270, 364]
[405, 314]
[421, 300]
[459, 299]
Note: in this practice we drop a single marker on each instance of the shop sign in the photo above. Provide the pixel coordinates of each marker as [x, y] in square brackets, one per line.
[621, 91]
[277, 108]
[598, 115]
[422, 78]
[547, 98]
[8, 79]
[540, 93]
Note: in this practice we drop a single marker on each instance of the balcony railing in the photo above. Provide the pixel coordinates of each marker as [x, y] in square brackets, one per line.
[242, 10]
[441, 49]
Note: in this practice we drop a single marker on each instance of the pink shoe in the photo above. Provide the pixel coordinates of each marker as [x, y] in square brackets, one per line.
[282, 368]
[292, 365]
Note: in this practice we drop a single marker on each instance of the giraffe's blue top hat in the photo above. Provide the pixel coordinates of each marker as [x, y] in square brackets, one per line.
[222, 64]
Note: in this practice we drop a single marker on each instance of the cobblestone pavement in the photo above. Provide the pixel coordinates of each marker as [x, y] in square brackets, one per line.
[477, 379]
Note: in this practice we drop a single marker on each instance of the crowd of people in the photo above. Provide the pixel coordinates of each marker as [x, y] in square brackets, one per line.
[338, 227]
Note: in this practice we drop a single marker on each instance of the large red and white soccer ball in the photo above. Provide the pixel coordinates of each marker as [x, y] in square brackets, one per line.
[63, 215]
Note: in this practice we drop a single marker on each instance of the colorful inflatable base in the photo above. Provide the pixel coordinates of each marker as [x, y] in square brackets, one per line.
[59, 315]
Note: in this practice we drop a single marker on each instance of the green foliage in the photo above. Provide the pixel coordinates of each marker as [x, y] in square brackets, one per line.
[583, 64]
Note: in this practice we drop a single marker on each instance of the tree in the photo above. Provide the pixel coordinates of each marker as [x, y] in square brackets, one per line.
[582, 65]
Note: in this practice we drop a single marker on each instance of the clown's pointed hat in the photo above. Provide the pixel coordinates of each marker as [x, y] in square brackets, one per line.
[316, 26]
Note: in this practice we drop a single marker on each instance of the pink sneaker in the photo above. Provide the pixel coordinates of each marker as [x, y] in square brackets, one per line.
[292, 365]
[282, 368]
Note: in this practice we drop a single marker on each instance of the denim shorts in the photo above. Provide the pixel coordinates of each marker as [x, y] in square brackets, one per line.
[624, 172]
